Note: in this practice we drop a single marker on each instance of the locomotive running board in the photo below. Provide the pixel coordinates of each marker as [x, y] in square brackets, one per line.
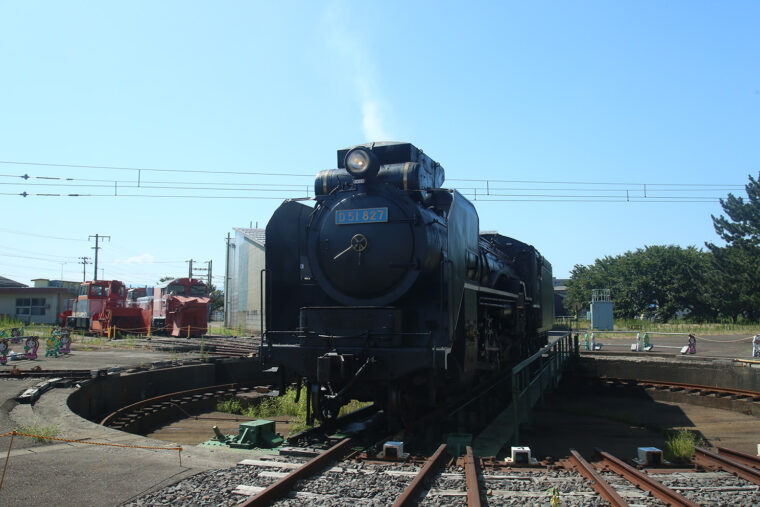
[480, 288]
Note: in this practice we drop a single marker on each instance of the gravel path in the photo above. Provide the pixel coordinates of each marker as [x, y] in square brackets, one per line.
[535, 487]
[712, 488]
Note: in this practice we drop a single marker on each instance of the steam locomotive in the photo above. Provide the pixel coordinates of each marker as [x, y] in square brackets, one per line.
[385, 290]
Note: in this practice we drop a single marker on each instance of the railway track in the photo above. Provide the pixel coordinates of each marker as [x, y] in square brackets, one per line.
[143, 415]
[349, 473]
[212, 345]
[683, 387]
[338, 477]
[737, 400]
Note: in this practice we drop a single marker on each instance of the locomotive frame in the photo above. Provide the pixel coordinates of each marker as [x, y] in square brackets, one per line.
[385, 290]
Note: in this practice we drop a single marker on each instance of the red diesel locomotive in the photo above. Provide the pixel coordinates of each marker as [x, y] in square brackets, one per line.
[178, 307]
[100, 306]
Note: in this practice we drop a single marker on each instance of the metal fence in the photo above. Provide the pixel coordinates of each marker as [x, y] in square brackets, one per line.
[530, 380]
[533, 376]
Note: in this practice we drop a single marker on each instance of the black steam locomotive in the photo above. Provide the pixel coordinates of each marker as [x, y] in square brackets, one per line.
[385, 290]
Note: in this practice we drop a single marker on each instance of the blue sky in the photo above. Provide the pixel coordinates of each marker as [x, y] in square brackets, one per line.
[554, 103]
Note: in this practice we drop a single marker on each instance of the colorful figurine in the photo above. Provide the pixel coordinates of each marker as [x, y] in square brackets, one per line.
[17, 334]
[52, 346]
[4, 348]
[64, 342]
[31, 345]
[692, 344]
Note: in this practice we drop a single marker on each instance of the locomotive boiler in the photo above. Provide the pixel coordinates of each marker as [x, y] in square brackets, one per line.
[386, 291]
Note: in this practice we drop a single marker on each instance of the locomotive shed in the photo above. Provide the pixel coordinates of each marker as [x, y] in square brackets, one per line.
[558, 425]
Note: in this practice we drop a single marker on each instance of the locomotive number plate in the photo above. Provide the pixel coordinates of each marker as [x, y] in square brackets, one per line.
[361, 216]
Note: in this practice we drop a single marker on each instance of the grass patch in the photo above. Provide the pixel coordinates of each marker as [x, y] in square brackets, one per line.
[280, 405]
[229, 406]
[679, 445]
[220, 329]
[40, 430]
[285, 405]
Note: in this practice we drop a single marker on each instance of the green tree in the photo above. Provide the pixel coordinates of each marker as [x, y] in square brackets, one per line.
[742, 226]
[737, 264]
[217, 298]
[669, 278]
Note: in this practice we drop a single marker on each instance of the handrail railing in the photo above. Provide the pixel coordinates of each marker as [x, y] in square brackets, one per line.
[531, 377]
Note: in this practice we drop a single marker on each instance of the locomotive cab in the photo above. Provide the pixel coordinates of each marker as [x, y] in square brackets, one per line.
[95, 303]
[178, 307]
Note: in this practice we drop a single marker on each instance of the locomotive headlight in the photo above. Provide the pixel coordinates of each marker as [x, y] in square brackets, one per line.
[362, 163]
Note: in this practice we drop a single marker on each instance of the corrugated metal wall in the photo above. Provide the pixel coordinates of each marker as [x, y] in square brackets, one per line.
[247, 259]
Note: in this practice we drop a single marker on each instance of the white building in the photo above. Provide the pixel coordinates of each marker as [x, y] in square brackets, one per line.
[246, 260]
[40, 304]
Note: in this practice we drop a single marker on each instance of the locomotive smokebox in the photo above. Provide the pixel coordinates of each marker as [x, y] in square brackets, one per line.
[372, 241]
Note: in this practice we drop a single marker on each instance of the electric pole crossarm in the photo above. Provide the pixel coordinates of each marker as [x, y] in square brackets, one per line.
[85, 262]
[97, 237]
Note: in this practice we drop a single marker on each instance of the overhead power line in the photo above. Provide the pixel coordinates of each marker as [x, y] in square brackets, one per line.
[150, 169]
[40, 235]
[31, 257]
[484, 180]
[279, 198]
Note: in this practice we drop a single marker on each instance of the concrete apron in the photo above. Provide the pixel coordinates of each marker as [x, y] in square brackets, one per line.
[72, 473]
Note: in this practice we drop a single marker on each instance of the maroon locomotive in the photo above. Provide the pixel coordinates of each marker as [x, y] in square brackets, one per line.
[178, 307]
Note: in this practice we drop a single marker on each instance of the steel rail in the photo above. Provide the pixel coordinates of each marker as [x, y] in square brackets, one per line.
[283, 486]
[741, 457]
[725, 390]
[318, 431]
[166, 397]
[471, 479]
[705, 457]
[412, 491]
[598, 482]
[645, 482]
[76, 374]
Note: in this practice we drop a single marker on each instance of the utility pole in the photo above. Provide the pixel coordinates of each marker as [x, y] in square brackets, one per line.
[206, 269]
[190, 271]
[97, 237]
[84, 267]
